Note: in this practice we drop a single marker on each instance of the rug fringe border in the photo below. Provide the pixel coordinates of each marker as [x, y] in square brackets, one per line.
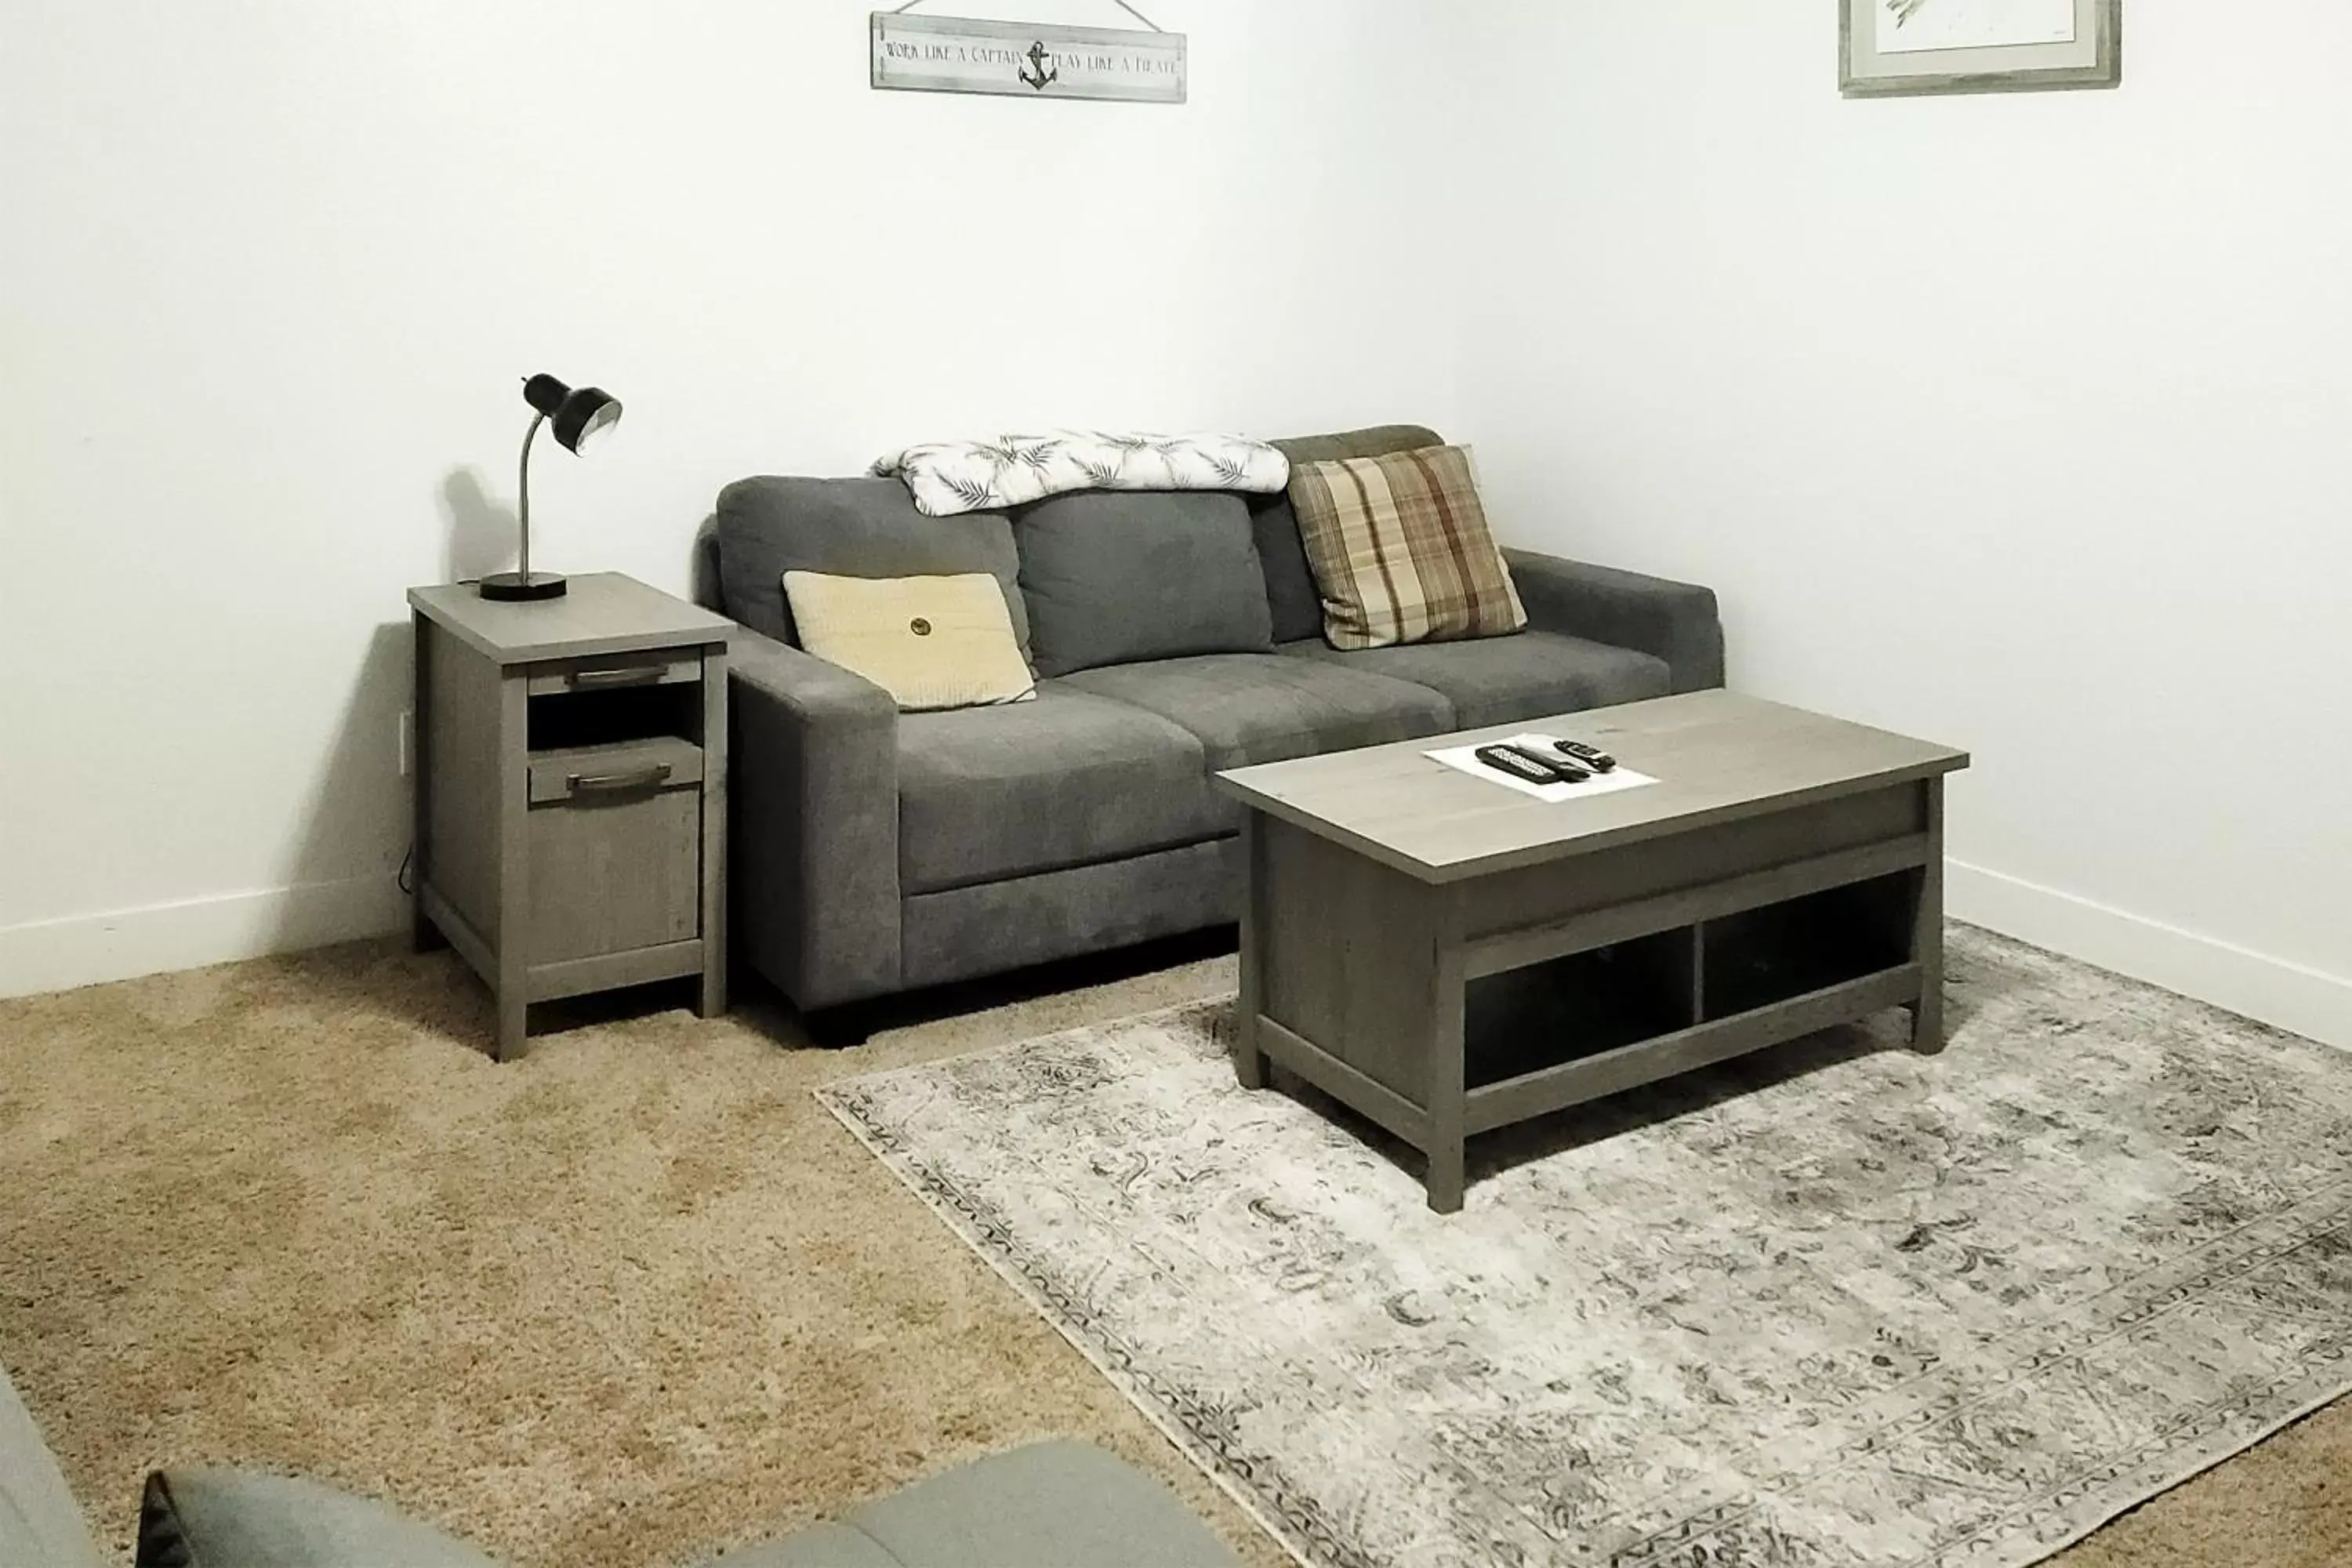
[2190, 1472]
[1166, 1423]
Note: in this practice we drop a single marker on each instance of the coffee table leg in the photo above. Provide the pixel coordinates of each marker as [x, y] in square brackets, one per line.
[1249, 1062]
[1928, 932]
[1447, 1086]
[1446, 1181]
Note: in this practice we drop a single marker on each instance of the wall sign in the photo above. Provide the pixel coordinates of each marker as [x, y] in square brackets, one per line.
[1026, 60]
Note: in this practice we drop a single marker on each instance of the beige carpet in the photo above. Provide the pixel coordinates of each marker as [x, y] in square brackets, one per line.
[631, 1299]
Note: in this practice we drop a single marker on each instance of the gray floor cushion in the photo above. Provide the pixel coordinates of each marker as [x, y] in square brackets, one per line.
[39, 1520]
[1505, 680]
[821, 1546]
[1053, 1505]
[241, 1519]
[986, 793]
[1247, 709]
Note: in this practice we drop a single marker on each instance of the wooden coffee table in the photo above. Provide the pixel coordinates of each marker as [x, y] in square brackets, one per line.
[1448, 957]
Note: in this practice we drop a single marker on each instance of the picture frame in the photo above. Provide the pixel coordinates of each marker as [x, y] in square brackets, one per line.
[1890, 48]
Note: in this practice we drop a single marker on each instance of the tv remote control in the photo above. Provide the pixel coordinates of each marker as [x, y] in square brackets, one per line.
[1592, 757]
[1567, 769]
[1519, 765]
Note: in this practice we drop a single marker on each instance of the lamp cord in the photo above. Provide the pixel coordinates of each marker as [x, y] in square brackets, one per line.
[1122, 5]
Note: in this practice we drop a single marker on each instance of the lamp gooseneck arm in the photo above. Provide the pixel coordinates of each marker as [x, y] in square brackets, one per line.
[524, 564]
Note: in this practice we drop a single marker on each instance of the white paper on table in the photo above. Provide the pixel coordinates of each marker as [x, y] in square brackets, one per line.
[1467, 759]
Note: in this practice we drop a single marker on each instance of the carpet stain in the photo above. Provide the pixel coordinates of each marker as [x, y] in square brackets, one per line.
[628, 1300]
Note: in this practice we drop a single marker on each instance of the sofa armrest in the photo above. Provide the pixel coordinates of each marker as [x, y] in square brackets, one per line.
[813, 801]
[238, 1519]
[1676, 622]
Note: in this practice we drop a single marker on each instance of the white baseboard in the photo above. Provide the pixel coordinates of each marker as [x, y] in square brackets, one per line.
[57, 955]
[2288, 996]
[88, 950]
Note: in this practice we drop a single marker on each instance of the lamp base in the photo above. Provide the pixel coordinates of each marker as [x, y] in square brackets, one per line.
[525, 585]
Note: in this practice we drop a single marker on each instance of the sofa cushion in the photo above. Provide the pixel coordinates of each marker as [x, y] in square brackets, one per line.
[1052, 1505]
[1290, 593]
[1503, 680]
[931, 642]
[238, 1519]
[1072, 778]
[849, 528]
[39, 1520]
[962, 933]
[1247, 709]
[1115, 577]
[1400, 550]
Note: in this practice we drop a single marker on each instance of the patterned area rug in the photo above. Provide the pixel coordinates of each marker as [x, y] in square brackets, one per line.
[1833, 1304]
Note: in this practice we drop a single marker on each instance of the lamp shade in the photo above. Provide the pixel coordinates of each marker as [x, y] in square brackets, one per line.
[576, 414]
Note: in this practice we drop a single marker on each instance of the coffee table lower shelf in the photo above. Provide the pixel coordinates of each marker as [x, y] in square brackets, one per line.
[1491, 1107]
[1488, 1108]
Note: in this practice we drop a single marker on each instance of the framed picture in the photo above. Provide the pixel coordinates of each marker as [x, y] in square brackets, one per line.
[1891, 47]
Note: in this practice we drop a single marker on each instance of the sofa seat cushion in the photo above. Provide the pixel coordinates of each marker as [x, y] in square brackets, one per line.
[1247, 709]
[985, 793]
[1508, 680]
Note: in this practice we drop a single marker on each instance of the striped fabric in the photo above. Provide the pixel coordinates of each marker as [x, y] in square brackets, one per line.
[1400, 551]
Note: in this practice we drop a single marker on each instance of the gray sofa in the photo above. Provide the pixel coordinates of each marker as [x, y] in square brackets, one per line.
[1174, 635]
[1053, 1505]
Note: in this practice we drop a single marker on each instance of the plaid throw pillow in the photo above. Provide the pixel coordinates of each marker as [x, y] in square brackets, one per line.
[1400, 549]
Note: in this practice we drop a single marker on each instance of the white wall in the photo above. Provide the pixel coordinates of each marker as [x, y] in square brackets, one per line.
[270, 273]
[2017, 422]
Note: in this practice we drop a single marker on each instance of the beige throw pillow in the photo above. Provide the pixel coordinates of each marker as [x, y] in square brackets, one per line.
[1400, 551]
[930, 642]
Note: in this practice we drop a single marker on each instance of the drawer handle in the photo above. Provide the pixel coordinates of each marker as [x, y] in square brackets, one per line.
[632, 675]
[649, 777]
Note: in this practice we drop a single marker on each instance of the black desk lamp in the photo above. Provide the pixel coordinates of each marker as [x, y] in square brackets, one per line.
[578, 416]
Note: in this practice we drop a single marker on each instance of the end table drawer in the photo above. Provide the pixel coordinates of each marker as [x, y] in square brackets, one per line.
[616, 849]
[615, 672]
[584, 773]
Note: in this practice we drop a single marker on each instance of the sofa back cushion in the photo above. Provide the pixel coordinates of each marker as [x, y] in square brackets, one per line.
[849, 528]
[39, 1520]
[1122, 577]
[1296, 606]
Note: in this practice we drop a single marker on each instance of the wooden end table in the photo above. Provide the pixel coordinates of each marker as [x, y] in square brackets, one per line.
[572, 790]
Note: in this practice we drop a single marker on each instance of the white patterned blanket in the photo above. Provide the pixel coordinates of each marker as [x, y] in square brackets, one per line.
[947, 477]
